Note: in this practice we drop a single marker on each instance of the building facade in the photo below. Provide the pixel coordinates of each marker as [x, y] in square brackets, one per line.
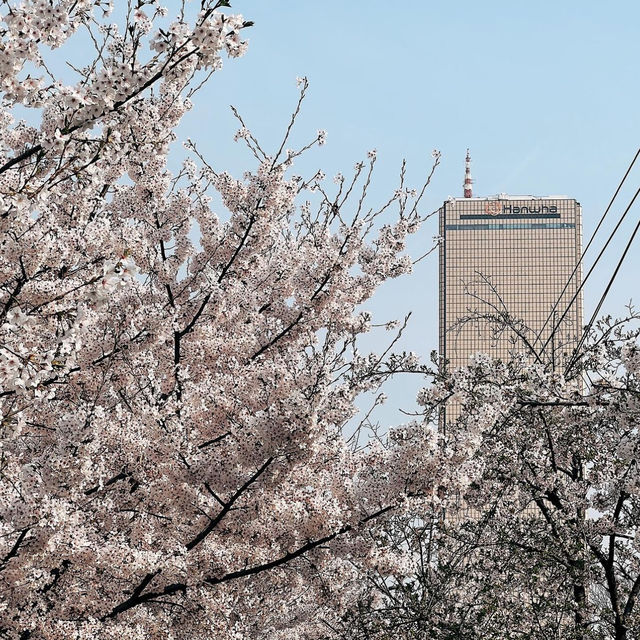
[505, 263]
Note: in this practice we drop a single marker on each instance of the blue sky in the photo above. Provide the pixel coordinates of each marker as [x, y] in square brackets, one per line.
[544, 93]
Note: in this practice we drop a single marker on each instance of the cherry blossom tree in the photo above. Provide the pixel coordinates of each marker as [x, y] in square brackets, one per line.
[543, 543]
[174, 382]
[458, 587]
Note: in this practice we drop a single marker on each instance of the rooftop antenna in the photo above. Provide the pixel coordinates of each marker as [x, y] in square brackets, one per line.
[468, 192]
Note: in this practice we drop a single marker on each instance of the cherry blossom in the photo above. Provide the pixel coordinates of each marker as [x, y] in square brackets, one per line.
[174, 381]
[542, 540]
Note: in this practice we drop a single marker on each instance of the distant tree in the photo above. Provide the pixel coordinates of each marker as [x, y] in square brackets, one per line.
[544, 542]
[174, 383]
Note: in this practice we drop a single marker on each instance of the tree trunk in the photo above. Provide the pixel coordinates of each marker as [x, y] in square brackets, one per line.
[621, 630]
[580, 598]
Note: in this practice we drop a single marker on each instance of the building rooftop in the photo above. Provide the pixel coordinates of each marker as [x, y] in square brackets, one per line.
[506, 196]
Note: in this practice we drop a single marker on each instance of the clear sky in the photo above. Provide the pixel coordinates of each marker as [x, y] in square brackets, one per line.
[544, 93]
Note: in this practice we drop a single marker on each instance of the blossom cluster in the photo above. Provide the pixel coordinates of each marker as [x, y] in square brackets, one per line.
[174, 382]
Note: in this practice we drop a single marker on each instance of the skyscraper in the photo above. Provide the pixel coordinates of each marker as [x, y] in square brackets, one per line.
[504, 263]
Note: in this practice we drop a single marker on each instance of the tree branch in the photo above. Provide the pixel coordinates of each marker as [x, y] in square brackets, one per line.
[139, 598]
[292, 555]
[14, 550]
[227, 506]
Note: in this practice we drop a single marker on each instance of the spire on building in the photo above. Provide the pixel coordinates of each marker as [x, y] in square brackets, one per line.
[468, 193]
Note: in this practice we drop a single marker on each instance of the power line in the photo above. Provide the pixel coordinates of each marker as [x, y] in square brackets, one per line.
[576, 351]
[573, 273]
[593, 266]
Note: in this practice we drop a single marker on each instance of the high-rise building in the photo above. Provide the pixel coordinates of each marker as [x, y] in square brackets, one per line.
[505, 263]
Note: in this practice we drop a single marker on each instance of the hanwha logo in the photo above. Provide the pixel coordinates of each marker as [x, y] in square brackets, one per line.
[492, 207]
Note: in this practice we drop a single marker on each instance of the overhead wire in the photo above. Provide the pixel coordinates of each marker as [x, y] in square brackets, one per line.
[593, 266]
[579, 262]
[587, 329]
